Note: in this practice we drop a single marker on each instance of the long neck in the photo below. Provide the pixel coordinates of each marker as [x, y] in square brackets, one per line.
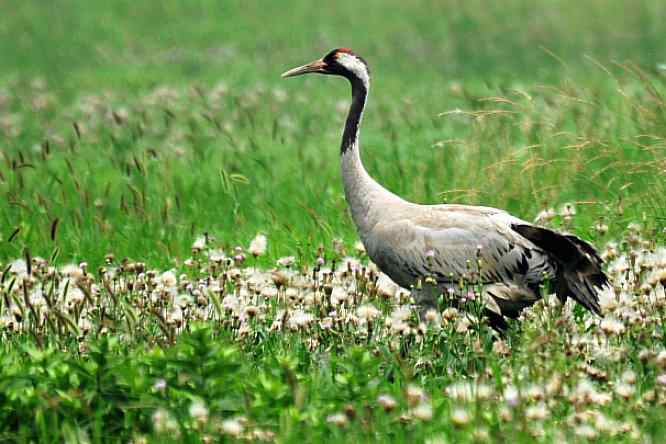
[366, 198]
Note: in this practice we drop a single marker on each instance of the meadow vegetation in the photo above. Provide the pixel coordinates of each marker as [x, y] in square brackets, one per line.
[176, 257]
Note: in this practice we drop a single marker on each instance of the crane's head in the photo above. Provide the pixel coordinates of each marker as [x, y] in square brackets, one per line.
[340, 62]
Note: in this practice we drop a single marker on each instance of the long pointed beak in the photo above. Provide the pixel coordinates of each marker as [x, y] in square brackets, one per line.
[316, 66]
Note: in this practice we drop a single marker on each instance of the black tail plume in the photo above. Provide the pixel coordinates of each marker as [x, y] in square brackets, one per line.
[579, 270]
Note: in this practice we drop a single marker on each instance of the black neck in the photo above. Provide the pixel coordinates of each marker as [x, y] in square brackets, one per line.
[359, 95]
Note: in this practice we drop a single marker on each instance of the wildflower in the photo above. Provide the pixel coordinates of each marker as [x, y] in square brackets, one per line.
[629, 377]
[661, 359]
[85, 325]
[568, 210]
[199, 244]
[600, 227]
[300, 319]
[387, 402]
[368, 312]
[634, 227]
[337, 419]
[401, 313]
[160, 385]
[460, 391]
[460, 417]
[545, 216]
[500, 347]
[258, 245]
[74, 296]
[415, 395]
[216, 255]
[359, 248]
[251, 311]
[511, 396]
[175, 316]
[554, 385]
[661, 379]
[505, 414]
[232, 427]
[338, 296]
[199, 411]
[624, 390]
[607, 300]
[463, 325]
[536, 412]
[450, 314]
[72, 270]
[286, 261]
[585, 431]
[386, 288]
[168, 279]
[433, 317]
[422, 412]
[612, 326]
[163, 422]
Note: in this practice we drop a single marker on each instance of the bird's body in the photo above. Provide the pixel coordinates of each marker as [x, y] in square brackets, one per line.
[446, 245]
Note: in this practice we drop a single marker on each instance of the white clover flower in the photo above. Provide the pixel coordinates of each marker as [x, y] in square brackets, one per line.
[85, 325]
[216, 255]
[339, 296]
[386, 287]
[460, 417]
[537, 412]
[460, 391]
[568, 210]
[433, 317]
[74, 295]
[286, 261]
[299, 319]
[415, 395]
[368, 312]
[258, 245]
[607, 299]
[422, 412]
[359, 247]
[661, 379]
[612, 326]
[160, 385]
[18, 267]
[232, 427]
[168, 279]
[337, 419]
[545, 216]
[199, 243]
[163, 422]
[401, 313]
[511, 396]
[450, 314]
[175, 315]
[624, 390]
[463, 324]
[199, 411]
[71, 270]
[661, 359]
[586, 431]
[387, 402]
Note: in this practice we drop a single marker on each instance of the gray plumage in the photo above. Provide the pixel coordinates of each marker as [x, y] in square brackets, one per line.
[508, 258]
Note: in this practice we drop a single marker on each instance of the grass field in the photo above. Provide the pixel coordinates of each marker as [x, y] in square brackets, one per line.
[144, 145]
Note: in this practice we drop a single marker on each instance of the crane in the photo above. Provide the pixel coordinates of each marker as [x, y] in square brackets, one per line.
[433, 249]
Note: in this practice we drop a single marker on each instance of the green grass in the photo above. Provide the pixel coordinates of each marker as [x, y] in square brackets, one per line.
[134, 128]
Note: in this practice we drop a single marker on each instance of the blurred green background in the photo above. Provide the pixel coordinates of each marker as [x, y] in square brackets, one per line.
[78, 44]
[186, 126]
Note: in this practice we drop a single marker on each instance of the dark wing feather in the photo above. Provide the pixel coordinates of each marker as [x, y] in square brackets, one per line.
[580, 265]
